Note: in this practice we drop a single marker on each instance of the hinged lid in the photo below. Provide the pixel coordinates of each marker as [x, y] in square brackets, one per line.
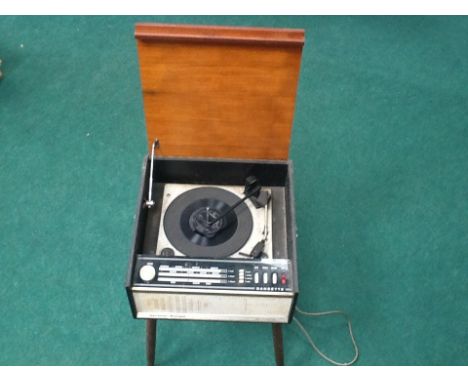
[219, 91]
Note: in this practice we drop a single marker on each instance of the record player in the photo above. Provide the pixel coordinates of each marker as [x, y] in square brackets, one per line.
[214, 235]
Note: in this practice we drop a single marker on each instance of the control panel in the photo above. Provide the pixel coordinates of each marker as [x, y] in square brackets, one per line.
[256, 275]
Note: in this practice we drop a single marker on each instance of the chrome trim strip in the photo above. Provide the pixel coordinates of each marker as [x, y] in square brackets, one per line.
[191, 290]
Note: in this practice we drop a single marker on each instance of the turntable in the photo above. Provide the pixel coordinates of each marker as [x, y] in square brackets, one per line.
[215, 229]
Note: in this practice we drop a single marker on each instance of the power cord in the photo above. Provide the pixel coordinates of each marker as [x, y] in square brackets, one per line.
[312, 343]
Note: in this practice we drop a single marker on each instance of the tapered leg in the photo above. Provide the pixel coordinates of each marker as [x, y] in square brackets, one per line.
[150, 341]
[278, 344]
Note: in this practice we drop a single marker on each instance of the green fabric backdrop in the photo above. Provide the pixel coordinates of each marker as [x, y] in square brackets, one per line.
[380, 149]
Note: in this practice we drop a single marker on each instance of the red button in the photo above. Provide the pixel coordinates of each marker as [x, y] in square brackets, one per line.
[283, 279]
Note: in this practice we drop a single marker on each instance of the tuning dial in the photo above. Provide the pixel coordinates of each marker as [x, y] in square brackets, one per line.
[147, 272]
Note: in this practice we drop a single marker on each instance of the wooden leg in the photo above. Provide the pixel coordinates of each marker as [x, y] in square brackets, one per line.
[278, 344]
[150, 341]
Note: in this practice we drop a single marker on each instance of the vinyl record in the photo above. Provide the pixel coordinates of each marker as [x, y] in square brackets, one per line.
[186, 218]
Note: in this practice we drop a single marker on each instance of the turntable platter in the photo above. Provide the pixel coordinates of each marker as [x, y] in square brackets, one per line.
[191, 224]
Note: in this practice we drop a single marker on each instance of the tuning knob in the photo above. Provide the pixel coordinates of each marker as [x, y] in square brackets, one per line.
[147, 272]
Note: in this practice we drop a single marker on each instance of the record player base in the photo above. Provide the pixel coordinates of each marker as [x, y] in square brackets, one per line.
[151, 343]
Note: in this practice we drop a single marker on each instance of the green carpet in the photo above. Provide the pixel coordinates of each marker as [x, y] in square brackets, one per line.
[380, 148]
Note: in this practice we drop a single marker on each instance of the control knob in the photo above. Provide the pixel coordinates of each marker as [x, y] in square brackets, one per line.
[147, 272]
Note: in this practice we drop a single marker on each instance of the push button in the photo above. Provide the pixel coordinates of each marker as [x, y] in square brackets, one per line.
[241, 276]
[274, 278]
[256, 278]
[265, 278]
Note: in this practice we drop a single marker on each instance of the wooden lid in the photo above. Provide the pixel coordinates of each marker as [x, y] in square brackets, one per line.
[225, 92]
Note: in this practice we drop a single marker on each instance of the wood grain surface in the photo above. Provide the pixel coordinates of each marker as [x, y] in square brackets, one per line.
[219, 92]
[222, 34]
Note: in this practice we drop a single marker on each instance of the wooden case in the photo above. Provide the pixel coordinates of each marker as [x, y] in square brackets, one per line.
[221, 102]
[219, 92]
